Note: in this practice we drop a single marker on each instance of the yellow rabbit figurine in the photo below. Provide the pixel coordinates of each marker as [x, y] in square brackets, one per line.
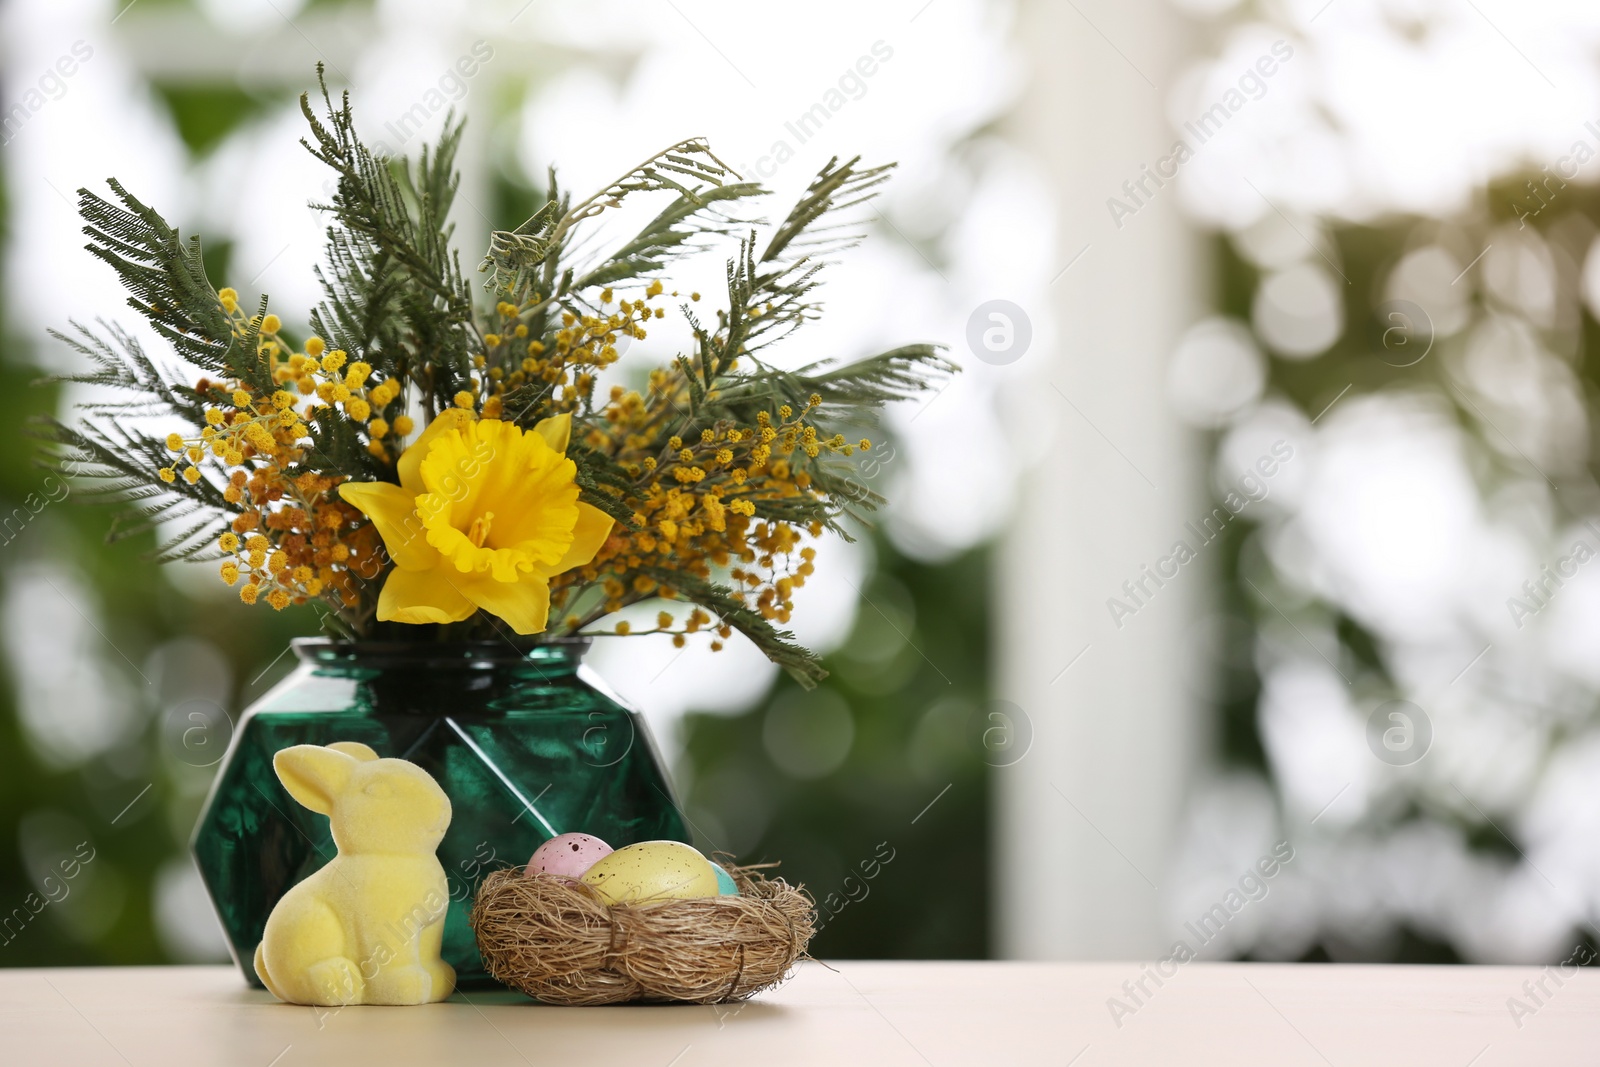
[366, 928]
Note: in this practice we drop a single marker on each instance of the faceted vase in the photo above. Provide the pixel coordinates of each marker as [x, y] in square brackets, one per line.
[527, 744]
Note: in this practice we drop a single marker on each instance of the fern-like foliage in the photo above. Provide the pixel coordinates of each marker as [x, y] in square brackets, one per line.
[111, 456]
[166, 280]
[111, 460]
[782, 280]
[533, 259]
[394, 294]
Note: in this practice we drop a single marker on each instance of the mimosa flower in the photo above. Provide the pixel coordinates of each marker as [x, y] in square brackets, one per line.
[485, 514]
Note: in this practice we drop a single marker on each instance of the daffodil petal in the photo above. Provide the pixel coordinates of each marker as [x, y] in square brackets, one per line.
[509, 486]
[556, 431]
[593, 527]
[422, 596]
[393, 511]
[524, 604]
[411, 459]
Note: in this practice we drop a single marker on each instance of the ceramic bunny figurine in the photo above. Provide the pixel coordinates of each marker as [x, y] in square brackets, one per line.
[366, 928]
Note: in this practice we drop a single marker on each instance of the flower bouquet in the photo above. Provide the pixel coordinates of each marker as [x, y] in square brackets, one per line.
[467, 488]
[421, 458]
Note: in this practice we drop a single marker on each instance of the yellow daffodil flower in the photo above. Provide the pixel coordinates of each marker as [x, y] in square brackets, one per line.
[485, 514]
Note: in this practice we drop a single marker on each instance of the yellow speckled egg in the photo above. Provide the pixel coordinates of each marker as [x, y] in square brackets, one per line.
[652, 870]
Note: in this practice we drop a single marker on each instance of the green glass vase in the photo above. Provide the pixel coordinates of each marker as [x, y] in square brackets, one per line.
[526, 742]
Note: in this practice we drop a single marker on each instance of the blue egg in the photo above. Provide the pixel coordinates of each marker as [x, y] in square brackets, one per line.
[726, 886]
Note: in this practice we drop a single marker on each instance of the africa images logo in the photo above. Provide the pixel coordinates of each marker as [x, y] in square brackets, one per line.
[1252, 85]
[1247, 489]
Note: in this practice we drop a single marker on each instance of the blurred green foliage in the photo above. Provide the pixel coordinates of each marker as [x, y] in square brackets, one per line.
[205, 114]
[907, 693]
[1365, 256]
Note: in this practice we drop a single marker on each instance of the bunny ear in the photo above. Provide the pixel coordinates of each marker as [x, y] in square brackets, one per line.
[355, 749]
[314, 775]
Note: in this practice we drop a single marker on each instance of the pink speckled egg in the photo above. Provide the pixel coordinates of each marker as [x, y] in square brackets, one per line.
[567, 856]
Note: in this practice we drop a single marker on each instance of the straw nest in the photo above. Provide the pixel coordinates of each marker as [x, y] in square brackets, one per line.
[554, 940]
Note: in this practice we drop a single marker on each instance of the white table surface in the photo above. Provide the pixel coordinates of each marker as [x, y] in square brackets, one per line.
[862, 1012]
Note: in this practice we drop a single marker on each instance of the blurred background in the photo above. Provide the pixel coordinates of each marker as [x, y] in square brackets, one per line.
[1263, 512]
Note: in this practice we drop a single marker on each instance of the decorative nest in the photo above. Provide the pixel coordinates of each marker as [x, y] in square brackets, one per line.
[553, 939]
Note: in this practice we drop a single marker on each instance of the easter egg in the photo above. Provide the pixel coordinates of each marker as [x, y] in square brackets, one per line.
[726, 886]
[652, 870]
[567, 855]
